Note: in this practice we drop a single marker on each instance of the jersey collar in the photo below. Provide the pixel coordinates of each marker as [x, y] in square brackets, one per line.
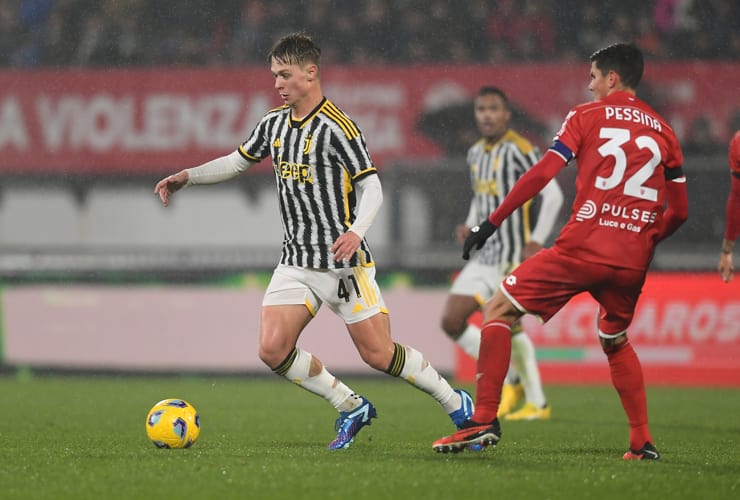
[308, 117]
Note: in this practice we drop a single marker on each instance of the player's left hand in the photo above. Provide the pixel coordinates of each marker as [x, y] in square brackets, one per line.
[346, 246]
[477, 237]
[461, 232]
[171, 184]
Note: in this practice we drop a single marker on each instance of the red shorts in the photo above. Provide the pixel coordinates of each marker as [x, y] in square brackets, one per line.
[544, 283]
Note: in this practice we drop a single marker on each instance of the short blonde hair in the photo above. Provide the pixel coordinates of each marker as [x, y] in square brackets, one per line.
[295, 48]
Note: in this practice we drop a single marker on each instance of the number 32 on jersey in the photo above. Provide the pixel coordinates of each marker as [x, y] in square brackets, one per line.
[634, 186]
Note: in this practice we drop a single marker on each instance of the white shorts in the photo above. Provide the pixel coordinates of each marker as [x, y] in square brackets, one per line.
[351, 293]
[477, 280]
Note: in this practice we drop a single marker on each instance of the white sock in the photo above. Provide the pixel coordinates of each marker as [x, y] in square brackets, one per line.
[469, 341]
[324, 384]
[523, 354]
[418, 372]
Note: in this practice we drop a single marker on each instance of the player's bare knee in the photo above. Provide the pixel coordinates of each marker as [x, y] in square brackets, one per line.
[376, 359]
[272, 352]
[268, 358]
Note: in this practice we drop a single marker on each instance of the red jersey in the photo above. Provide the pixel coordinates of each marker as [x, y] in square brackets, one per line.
[732, 213]
[733, 155]
[624, 151]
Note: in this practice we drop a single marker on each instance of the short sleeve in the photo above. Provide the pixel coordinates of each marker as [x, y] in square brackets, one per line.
[257, 146]
[570, 134]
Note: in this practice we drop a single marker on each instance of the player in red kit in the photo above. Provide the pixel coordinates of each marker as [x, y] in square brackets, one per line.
[732, 213]
[630, 194]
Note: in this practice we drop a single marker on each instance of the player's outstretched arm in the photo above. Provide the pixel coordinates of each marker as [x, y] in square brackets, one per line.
[732, 231]
[725, 266]
[532, 182]
[528, 185]
[219, 170]
[170, 185]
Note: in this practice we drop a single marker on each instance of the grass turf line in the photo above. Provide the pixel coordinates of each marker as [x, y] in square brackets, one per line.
[82, 437]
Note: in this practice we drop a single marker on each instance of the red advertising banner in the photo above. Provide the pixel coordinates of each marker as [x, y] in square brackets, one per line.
[152, 120]
[686, 331]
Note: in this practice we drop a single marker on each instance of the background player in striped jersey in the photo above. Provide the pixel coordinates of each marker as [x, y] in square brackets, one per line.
[495, 163]
[630, 195]
[329, 194]
[732, 212]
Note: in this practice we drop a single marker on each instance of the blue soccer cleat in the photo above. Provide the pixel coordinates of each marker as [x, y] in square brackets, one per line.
[350, 422]
[465, 412]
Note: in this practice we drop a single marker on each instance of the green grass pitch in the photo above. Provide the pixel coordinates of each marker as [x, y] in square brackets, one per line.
[82, 437]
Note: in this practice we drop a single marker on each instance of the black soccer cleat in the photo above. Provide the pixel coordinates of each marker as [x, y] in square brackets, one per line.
[647, 452]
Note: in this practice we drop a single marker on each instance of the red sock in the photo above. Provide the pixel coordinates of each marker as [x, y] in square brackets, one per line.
[626, 374]
[493, 363]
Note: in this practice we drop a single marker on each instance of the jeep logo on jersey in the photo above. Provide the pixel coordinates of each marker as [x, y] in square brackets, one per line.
[298, 172]
[587, 211]
[486, 187]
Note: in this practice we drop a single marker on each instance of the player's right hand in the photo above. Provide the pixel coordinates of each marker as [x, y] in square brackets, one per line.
[477, 237]
[171, 184]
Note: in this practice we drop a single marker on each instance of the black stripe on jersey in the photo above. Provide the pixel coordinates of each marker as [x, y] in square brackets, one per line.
[520, 230]
[257, 148]
[356, 150]
[349, 125]
[349, 128]
[276, 128]
[321, 192]
[494, 169]
[314, 161]
[308, 209]
[246, 155]
[293, 208]
[507, 232]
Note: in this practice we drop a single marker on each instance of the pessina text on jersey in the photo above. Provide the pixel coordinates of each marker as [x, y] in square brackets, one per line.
[631, 115]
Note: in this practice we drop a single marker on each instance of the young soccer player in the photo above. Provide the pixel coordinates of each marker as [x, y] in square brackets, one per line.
[629, 168]
[329, 193]
[495, 162]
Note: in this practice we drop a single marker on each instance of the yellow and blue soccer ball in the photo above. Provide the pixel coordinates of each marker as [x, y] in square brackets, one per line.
[173, 423]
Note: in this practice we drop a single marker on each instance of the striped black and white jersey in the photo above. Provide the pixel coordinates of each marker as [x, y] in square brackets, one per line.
[494, 168]
[316, 161]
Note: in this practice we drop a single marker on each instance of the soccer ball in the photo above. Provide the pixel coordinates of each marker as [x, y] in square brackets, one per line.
[173, 423]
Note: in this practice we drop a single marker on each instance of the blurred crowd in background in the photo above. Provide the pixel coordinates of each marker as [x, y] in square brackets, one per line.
[92, 33]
